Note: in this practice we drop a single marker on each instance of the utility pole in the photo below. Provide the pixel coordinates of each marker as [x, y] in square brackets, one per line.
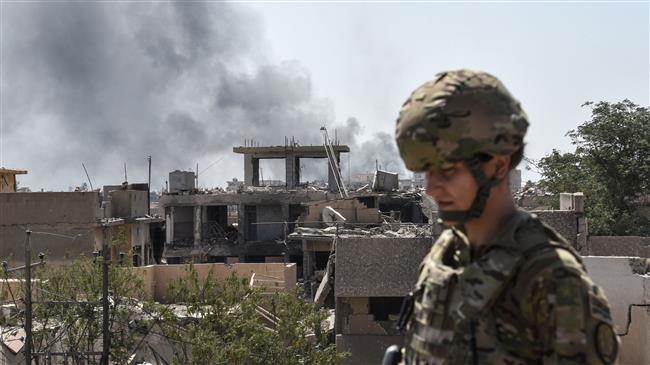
[28, 298]
[106, 336]
[149, 187]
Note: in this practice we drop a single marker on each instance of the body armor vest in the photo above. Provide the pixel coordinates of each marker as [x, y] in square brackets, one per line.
[460, 315]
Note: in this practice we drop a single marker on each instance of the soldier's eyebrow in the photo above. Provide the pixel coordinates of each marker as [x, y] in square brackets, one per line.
[447, 166]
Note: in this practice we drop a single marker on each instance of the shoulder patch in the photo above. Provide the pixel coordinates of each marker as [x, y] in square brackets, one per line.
[606, 343]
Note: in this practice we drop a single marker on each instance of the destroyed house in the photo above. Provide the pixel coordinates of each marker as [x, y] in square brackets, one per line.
[251, 224]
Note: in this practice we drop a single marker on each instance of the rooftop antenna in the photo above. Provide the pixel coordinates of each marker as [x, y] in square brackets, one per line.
[125, 178]
[197, 175]
[87, 176]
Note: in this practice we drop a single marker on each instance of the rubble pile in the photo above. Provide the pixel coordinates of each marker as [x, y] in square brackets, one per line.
[406, 230]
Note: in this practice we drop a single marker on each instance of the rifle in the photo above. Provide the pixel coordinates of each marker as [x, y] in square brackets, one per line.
[392, 356]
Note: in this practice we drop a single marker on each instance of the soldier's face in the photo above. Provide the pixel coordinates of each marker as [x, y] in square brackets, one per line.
[452, 186]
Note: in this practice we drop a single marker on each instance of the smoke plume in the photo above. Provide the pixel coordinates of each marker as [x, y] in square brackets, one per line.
[106, 83]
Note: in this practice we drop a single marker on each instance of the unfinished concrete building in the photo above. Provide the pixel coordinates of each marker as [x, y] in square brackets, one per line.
[291, 154]
[69, 224]
[251, 223]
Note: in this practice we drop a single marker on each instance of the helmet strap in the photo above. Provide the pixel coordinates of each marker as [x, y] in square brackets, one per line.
[484, 183]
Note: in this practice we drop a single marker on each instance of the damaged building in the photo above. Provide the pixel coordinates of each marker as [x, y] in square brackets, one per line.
[364, 270]
[252, 223]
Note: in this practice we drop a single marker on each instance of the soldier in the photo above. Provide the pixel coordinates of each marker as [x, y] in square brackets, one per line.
[499, 286]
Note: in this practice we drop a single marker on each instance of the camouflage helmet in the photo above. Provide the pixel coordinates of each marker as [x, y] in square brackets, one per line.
[456, 116]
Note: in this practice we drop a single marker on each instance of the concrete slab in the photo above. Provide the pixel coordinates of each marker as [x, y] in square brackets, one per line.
[378, 267]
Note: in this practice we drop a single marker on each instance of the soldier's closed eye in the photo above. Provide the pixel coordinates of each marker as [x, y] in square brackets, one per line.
[448, 170]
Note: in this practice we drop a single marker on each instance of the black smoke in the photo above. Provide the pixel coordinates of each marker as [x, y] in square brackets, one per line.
[111, 82]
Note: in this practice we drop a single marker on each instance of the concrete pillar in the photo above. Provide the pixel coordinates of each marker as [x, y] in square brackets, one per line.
[169, 225]
[292, 170]
[579, 202]
[198, 226]
[308, 259]
[242, 221]
[285, 212]
[143, 245]
[331, 178]
[251, 170]
[582, 236]
[566, 201]
[147, 239]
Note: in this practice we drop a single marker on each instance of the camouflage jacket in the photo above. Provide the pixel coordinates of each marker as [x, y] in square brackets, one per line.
[524, 298]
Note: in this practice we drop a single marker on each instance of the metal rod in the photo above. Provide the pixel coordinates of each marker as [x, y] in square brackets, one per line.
[149, 188]
[24, 267]
[28, 298]
[106, 336]
[88, 176]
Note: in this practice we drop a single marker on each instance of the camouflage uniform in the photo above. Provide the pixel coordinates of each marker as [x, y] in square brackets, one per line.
[522, 298]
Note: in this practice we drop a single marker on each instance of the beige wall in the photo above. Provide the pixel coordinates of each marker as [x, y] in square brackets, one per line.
[49, 208]
[623, 287]
[274, 275]
[12, 290]
[57, 249]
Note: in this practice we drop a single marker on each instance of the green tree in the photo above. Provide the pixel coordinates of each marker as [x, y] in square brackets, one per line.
[229, 322]
[211, 321]
[67, 314]
[611, 165]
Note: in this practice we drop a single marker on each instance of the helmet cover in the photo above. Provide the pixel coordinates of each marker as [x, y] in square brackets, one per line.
[456, 116]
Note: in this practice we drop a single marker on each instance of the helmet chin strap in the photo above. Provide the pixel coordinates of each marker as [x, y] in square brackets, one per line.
[484, 183]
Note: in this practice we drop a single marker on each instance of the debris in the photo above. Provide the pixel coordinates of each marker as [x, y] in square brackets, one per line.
[385, 181]
[13, 339]
[330, 216]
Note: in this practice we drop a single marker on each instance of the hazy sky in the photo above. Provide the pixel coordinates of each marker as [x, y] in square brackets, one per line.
[112, 82]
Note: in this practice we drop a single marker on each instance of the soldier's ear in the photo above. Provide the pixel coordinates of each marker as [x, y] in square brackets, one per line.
[501, 165]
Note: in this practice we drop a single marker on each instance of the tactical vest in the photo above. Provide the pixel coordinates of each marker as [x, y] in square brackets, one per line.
[452, 320]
